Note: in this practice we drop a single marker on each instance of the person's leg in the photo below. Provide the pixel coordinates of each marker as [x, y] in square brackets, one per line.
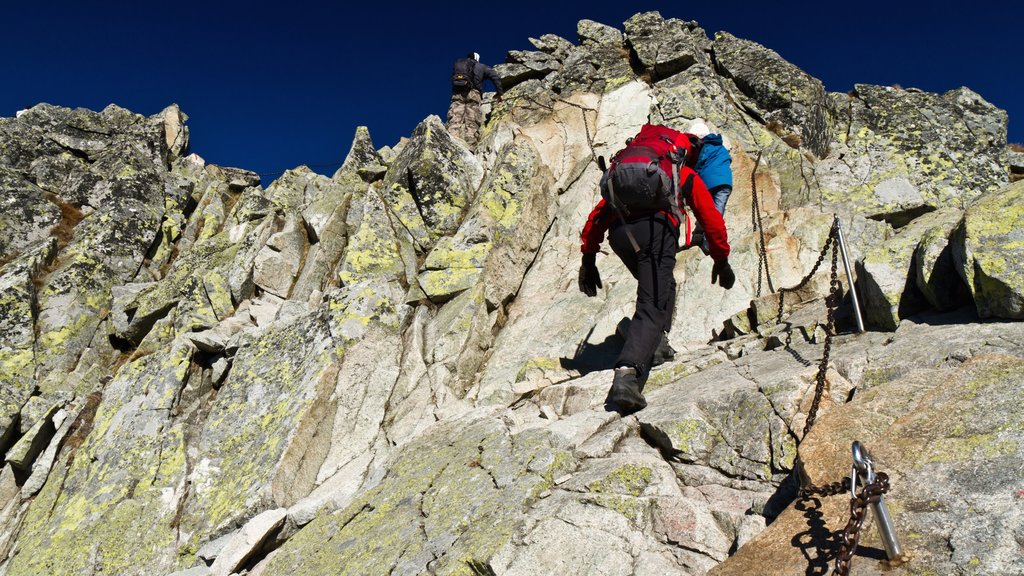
[457, 116]
[652, 268]
[474, 117]
[720, 196]
[655, 291]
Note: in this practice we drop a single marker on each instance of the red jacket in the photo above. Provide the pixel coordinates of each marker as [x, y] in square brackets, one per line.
[693, 193]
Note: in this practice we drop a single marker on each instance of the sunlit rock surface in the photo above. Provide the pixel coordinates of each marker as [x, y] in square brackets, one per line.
[391, 370]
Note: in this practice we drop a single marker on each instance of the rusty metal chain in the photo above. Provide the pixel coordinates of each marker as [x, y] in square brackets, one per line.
[830, 242]
[832, 303]
[827, 490]
[758, 224]
[850, 535]
[870, 494]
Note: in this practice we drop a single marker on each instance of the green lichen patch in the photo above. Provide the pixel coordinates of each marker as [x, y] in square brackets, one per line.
[634, 509]
[378, 244]
[444, 284]
[451, 498]
[630, 479]
[538, 367]
[121, 484]
[990, 252]
[271, 386]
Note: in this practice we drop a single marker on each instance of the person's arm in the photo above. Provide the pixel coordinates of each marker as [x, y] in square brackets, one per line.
[697, 194]
[595, 228]
[491, 75]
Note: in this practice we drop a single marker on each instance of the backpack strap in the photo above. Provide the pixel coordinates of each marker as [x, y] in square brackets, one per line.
[615, 203]
[677, 190]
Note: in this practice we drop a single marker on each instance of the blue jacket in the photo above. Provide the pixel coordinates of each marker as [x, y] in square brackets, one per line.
[713, 163]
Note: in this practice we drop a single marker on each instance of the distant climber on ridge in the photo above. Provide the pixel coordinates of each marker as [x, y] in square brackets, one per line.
[642, 192]
[464, 114]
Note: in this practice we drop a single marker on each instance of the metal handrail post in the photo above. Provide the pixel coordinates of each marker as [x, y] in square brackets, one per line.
[849, 275]
[864, 467]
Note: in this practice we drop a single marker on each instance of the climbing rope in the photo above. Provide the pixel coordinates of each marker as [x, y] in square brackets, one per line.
[758, 224]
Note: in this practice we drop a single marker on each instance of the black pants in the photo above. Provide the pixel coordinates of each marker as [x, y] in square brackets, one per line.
[655, 289]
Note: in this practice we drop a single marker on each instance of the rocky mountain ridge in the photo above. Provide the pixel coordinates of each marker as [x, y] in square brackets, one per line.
[391, 370]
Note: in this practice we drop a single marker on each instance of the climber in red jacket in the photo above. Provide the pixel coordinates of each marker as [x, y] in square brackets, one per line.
[646, 240]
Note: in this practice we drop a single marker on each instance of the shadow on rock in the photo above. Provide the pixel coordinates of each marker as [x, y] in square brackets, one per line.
[817, 543]
[594, 357]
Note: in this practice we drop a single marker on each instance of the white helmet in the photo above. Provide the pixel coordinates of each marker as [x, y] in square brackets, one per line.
[698, 128]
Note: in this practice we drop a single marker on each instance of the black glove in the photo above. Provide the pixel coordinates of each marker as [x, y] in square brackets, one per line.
[723, 274]
[590, 278]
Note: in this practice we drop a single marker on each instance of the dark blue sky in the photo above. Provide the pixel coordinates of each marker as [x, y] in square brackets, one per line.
[269, 86]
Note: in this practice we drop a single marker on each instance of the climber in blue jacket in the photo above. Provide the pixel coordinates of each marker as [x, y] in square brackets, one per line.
[714, 166]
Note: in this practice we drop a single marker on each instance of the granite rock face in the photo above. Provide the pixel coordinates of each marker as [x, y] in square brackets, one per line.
[988, 253]
[391, 370]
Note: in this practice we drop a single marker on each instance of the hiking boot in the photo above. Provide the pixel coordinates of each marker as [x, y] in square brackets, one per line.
[625, 392]
[664, 353]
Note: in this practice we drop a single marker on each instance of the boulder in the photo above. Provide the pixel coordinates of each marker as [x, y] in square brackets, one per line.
[552, 44]
[110, 241]
[376, 247]
[440, 174]
[1015, 156]
[522, 65]
[175, 131]
[247, 541]
[935, 272]
[361, 155]
[887, 273]
[26, 215]
[781, 93]
[279, 262]
[453, 500]
[511, 212]
[947, 444]
[907, 152]
[17, 336]
[989, 253]
[591, 32]
[134, 438]
[665, 47]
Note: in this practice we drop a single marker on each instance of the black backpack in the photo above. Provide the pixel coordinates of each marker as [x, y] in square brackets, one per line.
[643, 176]
[462, 74]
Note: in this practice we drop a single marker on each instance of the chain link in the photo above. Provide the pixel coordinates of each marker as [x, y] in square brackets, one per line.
[758, 224]
[870, 494]
[830, 242]
[850, 535]
[831, 302]
[826, 490]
